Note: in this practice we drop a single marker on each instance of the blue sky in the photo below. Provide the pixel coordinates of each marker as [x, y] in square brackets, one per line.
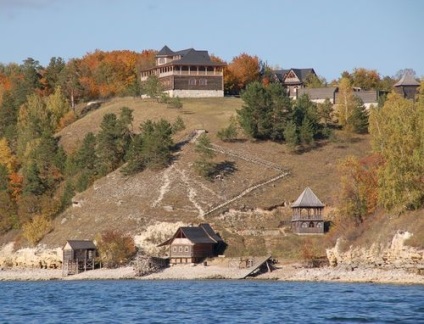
[330, 36]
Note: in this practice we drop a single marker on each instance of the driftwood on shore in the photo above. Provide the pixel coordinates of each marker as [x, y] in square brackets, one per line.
[144, 265]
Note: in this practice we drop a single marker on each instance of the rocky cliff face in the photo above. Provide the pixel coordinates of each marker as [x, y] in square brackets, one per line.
[38, 257]
[394, 255]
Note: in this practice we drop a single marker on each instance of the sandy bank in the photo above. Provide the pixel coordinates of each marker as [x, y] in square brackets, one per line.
[190, 272]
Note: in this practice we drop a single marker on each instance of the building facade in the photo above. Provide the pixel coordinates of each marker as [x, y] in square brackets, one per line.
[187, 73]
[192, 244]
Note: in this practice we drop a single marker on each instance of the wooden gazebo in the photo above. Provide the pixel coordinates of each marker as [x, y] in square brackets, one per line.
[307, 214]
[78, 256]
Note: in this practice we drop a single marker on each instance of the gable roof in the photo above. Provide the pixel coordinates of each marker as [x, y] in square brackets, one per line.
[81, 244]
[189, 56]
[407, 80]
[300, 73]
[307, 199]
[203, 234]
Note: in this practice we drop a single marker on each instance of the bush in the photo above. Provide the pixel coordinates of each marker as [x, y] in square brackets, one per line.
[229, 133]
[115, 248]
[175, 103]
[36, 229]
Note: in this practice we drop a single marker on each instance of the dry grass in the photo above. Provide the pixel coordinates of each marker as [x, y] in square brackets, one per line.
[178, 194]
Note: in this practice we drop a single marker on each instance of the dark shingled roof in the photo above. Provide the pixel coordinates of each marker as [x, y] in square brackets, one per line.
[407, 80]
[81, 244]
[189, 56]
[165, 51]
[307, 199]
[198, 235]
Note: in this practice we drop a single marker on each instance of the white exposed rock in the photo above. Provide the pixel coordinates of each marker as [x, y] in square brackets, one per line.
[395, 255]
[38, 257]
[154, 235]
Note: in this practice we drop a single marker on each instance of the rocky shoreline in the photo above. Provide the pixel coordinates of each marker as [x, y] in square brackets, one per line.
[291, 272]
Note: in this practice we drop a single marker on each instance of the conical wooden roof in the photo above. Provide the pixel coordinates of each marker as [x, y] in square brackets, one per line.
[407, 80]
[307, 199]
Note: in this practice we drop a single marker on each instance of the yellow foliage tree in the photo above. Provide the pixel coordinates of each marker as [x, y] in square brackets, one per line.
[36, 229]
[397, 133]
[6, 156]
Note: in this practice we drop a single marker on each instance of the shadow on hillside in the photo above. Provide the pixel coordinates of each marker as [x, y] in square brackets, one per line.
[224, 169]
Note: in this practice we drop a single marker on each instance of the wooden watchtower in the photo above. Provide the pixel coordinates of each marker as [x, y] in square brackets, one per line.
[407, 86]
[78, 256]
[307, 214]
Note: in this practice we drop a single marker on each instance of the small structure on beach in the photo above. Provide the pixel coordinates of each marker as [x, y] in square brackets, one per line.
[78, 256]
[307, 214]
[192, 244]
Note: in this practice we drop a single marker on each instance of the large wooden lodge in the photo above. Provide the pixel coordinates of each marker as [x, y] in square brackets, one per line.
[187, 73]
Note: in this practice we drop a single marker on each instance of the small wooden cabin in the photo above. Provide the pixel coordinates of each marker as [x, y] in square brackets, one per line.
[307, 214]
[193, 244]
[78, 256]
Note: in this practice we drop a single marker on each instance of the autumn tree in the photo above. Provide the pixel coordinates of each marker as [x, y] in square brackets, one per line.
[349, 109]
[35, 229]
[6, 156]
[115, 248]
[397, 133]
[358, 196]
[242, 70]
[365, 79]
[33, 120]
[57, 107]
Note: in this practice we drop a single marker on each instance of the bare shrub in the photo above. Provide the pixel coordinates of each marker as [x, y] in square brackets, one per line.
[115, 248]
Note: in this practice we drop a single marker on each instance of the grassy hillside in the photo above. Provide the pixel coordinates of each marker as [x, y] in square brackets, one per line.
[250, 223]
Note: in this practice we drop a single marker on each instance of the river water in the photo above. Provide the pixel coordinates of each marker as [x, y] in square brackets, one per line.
[209, 301]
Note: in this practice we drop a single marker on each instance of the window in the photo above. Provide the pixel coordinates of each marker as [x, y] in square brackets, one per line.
[191, 81]
[161, 60]
[181, 249]
[174, 249]
[203, 82]
[186, 249]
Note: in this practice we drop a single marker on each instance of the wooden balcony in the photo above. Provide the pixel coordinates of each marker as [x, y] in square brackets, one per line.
[184, 73]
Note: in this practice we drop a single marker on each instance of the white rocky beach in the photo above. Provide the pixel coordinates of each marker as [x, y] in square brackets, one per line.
[288, 272]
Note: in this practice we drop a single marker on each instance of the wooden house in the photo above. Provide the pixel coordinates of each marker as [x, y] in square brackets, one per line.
[407, 86]
[293, 79]
[187, 73]
[193, 244]
[307, 214]
[78, 256]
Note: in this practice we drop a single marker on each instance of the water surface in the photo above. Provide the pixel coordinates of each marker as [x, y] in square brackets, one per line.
[214, 301]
